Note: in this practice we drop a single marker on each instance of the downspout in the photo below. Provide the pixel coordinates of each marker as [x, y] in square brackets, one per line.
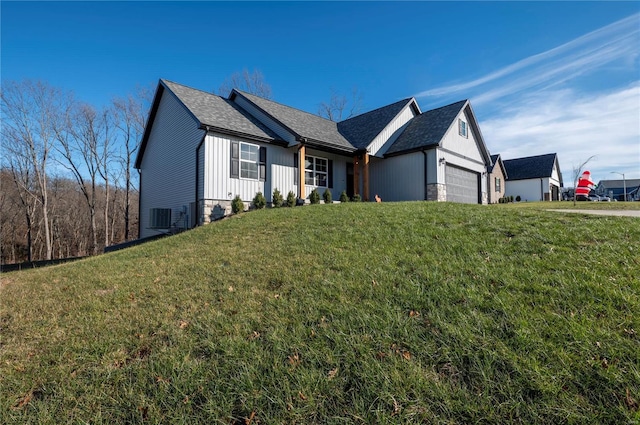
[424, 153]
[197, 221]
[139, 201]
[542, 189]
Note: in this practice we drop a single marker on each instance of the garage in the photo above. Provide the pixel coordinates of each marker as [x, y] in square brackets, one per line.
[462, 185]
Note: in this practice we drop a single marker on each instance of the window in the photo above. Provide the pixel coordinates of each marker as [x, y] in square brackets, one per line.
[315, 171]
[462, 128]
[248, 161]
[249, 155]
[498, 184]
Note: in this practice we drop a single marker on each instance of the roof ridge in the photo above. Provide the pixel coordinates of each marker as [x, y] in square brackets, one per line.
[242, 92]
[406, 100]
[447, 106]
[192, 88]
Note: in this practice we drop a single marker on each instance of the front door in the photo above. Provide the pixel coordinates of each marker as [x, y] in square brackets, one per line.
[350, 179]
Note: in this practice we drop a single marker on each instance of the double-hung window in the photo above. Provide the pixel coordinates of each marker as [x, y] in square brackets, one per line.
[315, 171]
[462, 128]
[248, 161]
[249, 156]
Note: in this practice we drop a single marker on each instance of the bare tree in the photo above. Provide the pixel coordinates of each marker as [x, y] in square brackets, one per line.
[30, 111]
[130, 121]
[577, 171]
[84, 146]
[340, 107]
[253, 83]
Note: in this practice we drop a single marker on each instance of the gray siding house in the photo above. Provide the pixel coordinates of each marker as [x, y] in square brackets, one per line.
[200, 150]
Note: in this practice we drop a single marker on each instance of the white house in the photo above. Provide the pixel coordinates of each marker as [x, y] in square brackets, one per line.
[200, 150]
[534, 178]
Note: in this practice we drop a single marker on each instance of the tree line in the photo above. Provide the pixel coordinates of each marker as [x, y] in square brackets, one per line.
[66, 182]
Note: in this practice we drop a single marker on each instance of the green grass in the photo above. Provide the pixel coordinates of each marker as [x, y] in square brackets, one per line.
[355, 313]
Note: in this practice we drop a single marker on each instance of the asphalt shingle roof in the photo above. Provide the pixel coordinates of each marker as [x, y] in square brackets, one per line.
[362, 129]
[494, 161]
[531, 167]
[216, 111]
[426, 129]
[302, 123]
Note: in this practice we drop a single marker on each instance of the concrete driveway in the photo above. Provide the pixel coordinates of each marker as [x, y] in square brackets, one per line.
[618, 213]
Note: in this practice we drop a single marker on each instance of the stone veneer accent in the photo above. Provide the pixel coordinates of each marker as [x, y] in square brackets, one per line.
[213, 210]
[436, 192]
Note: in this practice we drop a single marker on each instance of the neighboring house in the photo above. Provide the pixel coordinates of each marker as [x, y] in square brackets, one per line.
[534, 178]
[200, 150]
[497, 179]
[615, 189]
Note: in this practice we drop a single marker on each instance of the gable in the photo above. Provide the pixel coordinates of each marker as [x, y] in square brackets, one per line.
[363, 129]
[466, 144]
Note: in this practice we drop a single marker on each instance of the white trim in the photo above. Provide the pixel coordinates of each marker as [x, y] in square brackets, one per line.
[314, 172]
[240, 161]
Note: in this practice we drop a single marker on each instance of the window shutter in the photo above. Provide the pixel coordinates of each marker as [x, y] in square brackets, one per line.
[295, 168]
[330, 173]
[263, 163]
[235, 160]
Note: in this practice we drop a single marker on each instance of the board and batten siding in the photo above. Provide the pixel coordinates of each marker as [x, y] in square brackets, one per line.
[168, 166]
[265, 119]
[398, 178]
[218, 184]
[385, 139]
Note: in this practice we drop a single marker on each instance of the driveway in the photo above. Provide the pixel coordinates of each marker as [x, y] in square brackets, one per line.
[618, 213]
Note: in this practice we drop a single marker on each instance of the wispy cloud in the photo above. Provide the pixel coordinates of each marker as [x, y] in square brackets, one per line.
[576, 127]
[616, 41]
[539, 105]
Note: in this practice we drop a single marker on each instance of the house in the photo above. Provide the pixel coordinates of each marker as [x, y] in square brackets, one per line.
[200, 150]
[615, 189]
[497, 179]
[534, 178]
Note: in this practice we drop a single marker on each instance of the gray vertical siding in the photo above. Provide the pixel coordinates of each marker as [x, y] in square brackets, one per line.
[220, 186]
[398, 178]
[168, 166]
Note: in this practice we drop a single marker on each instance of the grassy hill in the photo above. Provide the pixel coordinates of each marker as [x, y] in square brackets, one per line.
[354, 313]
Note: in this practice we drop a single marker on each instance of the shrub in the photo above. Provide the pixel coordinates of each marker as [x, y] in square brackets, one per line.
[291, 199]
[511, 198]
[237, 206]
[518, 198]
[344, 197]
[314, 196]
[356, 198]
[259, 201]
[327, 196]
[276, 199]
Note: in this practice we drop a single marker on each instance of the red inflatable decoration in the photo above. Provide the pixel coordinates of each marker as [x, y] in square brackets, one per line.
[585, 184]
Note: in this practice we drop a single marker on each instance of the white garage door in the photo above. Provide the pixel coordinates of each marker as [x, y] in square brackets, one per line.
[462, 185]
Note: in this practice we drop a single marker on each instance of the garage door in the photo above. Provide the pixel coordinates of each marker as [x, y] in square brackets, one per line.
[462, 185]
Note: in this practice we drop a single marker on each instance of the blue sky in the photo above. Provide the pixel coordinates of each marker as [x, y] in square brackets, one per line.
[542, 76]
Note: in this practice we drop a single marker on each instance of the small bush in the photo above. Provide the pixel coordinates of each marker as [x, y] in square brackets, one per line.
[237, 206]
[511, 198]
[291, 199]
[344, 197]
[259, 201]
[518, 198]
[327, 196]
[356, 198]
[276, 199]
[314, 197]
